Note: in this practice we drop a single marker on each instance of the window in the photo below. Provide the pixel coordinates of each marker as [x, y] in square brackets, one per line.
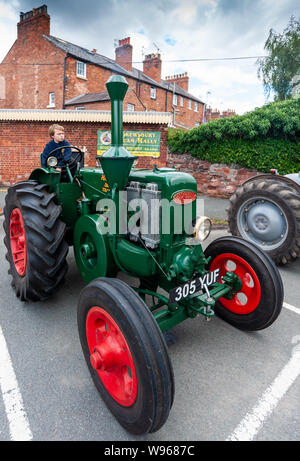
[181, 101]
[175, 99]
[152, 93]
[195, 106]
[130, 107]
[81, 69]
[190, 104]
[51, 100]
[79, 108]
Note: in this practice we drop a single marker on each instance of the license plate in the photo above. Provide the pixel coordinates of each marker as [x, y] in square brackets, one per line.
[193, 286]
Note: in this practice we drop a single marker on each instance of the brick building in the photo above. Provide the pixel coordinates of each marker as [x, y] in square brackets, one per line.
[45, 72]
[211, 114]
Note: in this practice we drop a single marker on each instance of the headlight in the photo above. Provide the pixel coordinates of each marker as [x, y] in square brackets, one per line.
[52, 161]
[202, 228]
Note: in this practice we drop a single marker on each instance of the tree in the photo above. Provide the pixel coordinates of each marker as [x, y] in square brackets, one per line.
[283, 61]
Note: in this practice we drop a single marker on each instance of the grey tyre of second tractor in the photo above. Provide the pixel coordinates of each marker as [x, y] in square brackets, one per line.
[267, 212]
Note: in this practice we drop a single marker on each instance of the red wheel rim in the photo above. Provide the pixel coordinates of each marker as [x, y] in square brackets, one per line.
[247, 298]
[18, 241]
[110, 356]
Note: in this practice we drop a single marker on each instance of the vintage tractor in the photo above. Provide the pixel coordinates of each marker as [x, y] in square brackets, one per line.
[265, 210]
[143, 223]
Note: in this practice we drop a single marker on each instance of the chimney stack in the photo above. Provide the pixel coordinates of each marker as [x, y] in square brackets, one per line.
[181, 80]
[34, 22]
[152, 66]
[124, 54]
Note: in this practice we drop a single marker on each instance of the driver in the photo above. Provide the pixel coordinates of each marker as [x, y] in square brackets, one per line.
[57, 133]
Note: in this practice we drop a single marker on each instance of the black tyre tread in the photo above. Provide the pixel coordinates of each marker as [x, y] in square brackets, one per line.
[150, 340]
[46, 247]
[158, 341]
[249, 322]
[287, 194]
[45, 202]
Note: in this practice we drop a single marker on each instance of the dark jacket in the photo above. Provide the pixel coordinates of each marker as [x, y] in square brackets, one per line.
[61, 157]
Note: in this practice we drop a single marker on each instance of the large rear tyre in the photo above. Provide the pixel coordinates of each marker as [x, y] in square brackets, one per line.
[258, 302]
[34, 238]
[126, 355]
[267, 212]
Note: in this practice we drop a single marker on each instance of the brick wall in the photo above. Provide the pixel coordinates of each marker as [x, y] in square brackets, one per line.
[21, 144]
[27, 85]
[213, 179]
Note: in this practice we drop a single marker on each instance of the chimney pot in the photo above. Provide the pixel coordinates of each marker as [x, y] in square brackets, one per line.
[124, 54]
[152, 66]
[181, 80]
[34, 22]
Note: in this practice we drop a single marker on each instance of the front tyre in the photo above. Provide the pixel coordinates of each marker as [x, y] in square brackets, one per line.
[126, 355]
[258, 302]
[34, 239]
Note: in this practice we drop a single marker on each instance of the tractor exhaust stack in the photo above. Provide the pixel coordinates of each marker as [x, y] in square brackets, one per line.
[117, 161]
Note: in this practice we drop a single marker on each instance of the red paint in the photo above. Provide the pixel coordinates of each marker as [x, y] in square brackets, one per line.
[251, 290]
[111, 356]
[18, 241]
[184, 197]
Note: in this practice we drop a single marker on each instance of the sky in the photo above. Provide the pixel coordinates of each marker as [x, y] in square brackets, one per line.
[178, 30]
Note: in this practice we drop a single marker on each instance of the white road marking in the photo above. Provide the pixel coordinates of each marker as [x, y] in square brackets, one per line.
[292, 308]
[16, 415]
[253, 421]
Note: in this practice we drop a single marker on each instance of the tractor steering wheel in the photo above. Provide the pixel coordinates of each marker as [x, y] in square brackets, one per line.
[72, 163]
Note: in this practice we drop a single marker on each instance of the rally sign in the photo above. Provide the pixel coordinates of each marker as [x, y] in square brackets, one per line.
[140, 143]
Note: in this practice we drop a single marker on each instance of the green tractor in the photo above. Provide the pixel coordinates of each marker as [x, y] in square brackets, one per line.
[143, 223]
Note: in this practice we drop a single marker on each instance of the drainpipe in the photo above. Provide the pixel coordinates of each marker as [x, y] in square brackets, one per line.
[173, 104]
[204, 114]
[137, 95]
[64, 82]
[166, 105]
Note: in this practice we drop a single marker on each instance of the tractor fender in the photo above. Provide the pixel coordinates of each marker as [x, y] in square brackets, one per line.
[294, 177]
[276, 177]
[44, 176]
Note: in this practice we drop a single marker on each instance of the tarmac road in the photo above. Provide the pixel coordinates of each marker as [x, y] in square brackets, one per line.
[221, 374]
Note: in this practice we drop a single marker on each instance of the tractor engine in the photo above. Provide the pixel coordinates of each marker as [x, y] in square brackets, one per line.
[146, 226]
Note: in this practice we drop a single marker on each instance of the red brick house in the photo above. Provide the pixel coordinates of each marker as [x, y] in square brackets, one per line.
[45, 72]
[215, 114]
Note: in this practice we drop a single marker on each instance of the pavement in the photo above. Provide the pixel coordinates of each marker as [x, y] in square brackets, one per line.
[3, 191]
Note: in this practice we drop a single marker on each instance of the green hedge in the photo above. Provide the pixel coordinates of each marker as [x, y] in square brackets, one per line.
[268, 137]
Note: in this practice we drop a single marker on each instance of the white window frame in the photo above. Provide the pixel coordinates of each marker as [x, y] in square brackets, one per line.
[152, 92]
[195, 106]
[175, 99]
[130, 107]
[181, 101]
[80, 69]
[190, 104]
[51, 99]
